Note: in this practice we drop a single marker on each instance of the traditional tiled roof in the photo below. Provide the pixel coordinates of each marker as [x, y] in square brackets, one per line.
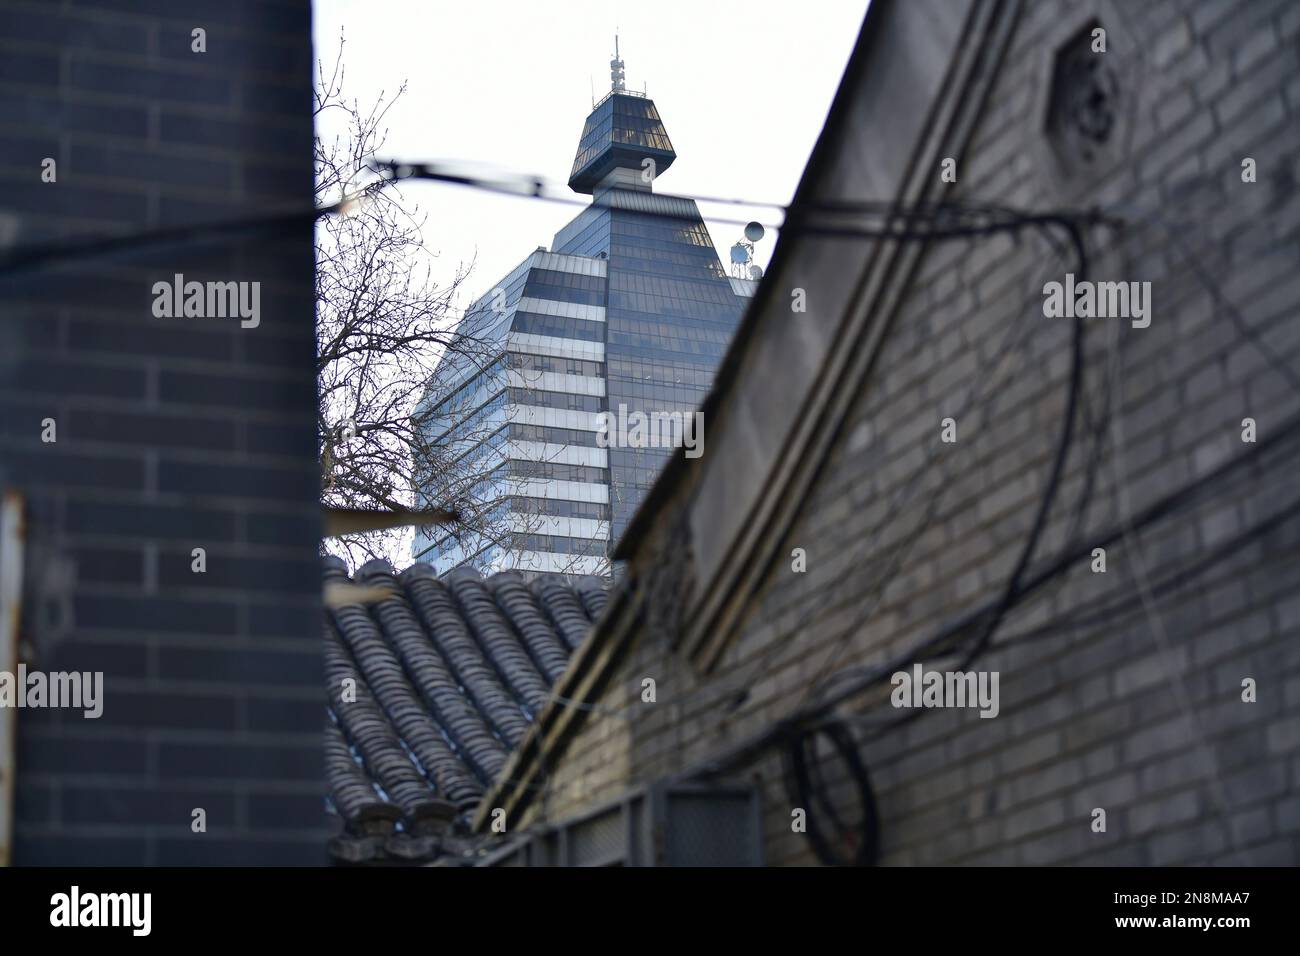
[430, 689]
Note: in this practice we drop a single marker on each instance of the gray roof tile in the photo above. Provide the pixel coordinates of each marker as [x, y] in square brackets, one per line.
[430, 690]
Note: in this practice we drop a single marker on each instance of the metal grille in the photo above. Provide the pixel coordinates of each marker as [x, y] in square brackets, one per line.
[599, 841]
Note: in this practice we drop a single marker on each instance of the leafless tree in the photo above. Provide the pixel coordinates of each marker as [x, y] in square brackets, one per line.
[396, 364]
[382, 325]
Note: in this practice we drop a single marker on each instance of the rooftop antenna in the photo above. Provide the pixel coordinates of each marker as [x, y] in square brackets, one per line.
[616, 70]
[592, 84]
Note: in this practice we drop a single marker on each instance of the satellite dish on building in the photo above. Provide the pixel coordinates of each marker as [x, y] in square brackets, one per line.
[742, 253]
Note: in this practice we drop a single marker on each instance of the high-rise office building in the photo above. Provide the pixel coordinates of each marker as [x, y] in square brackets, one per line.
[628, 312]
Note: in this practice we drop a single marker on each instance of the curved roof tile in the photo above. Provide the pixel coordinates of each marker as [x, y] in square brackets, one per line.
[445, 675]
[499, 639]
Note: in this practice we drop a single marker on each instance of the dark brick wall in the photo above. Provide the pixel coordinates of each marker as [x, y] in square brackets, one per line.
[172, 434]
[1143, 720]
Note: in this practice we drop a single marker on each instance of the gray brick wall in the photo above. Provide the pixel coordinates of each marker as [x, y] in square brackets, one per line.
[172, 434]
[1104, 716]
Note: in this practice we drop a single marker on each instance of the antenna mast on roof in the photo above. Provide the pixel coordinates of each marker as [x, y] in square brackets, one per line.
[616, 70]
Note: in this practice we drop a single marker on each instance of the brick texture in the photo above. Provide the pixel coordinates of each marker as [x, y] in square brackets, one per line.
[1144, 721]
[172, 434]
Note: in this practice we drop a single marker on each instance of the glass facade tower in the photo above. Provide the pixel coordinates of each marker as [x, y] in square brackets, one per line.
[629, 311]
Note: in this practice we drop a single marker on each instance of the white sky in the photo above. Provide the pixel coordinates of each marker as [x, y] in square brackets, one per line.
[743, 89]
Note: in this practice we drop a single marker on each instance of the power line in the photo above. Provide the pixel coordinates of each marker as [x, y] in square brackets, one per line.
[789, 728]
[949, 220]
[1177, 580]
[36, 255]
[799, 783]
[943, 637]
[1134, 602]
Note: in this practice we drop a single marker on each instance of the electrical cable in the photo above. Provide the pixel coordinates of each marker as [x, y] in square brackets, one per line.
[1012, 589]
[1167, 505]
[1012, 586]
[907, 489]
[1176, 580]
[979, 644]
[393, 171]
[863, 837]
[1124, 605]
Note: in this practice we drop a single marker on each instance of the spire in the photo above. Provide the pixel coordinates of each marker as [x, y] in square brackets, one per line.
[616, 70]
[623, 132]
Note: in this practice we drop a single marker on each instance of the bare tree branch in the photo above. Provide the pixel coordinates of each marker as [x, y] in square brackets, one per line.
[398, 366]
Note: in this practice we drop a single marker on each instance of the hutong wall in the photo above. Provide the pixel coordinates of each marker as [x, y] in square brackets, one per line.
[1143, 718]
[170, 434]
